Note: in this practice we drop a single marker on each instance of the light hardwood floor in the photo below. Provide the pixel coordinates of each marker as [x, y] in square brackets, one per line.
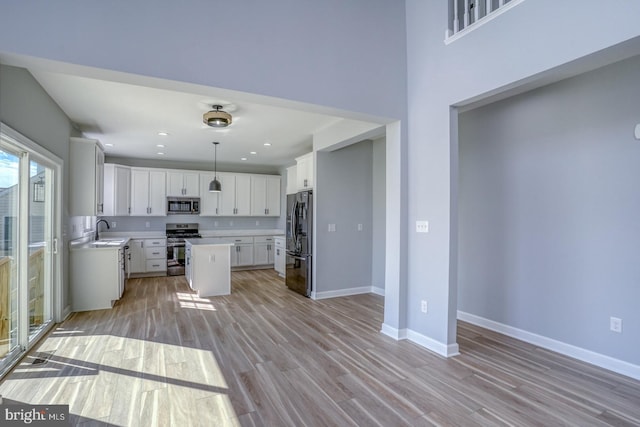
[265, 356]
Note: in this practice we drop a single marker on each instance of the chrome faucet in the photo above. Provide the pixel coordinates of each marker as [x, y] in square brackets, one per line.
[98, 226]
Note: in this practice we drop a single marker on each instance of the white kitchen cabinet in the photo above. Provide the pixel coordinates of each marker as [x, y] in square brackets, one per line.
[265, 195]
[117, 190]
[137, 259]
[304, 172]
[280, 256]
[242, 252]
[235, 194]
[263, 250]
[86, 160]
[210, 203]
[148, 192]
[292, 181]
[183, 184]
[148, 256]
[97, 278]
[209, 267]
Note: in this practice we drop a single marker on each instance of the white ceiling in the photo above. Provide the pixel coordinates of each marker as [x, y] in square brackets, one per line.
[127, 118]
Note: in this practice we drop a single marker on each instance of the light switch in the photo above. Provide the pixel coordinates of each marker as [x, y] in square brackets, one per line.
[422, 226]
[332, 228]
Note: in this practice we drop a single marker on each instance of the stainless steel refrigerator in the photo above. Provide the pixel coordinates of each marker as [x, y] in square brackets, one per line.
[299, 242]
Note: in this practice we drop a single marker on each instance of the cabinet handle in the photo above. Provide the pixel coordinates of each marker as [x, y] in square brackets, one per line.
[216, 211]
[305, 182]
[129, 210]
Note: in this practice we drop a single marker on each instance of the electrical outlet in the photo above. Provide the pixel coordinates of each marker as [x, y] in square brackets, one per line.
[615, 324]
[422, 226]
[332, 228]
[423, 306]
[215, 223]
[359, 227]
[113, 224]
[257, 223]
[147, 224]
[230, 223]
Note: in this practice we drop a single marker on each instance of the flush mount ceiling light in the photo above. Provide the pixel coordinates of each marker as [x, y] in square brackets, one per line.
[215, 186]
[217, 118]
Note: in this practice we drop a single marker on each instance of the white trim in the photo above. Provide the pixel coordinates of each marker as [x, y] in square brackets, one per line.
[376, 290]
[343, 292]
[596, 359]
[422, 340]
[396, 334]
[433, 345]
[494, 14]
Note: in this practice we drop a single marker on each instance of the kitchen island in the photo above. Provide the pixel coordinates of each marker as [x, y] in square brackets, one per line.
[208, 265]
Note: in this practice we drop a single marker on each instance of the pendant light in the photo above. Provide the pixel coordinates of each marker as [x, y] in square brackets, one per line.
[215, 186]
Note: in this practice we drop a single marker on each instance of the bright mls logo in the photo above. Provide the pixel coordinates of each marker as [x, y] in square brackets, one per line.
[35, 415]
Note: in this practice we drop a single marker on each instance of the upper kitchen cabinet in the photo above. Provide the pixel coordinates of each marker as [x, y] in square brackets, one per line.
[235, 194]
[304, 172]
[265, 195]
[210, 203]
[148, 192]
[117, 190]
[292, 182]
[183, 184]
[86, 160]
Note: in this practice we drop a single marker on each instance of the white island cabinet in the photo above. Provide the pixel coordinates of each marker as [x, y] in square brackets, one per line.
[208, 268]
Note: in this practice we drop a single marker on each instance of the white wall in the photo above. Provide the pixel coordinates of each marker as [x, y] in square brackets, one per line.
[549, 208]
[308, 51]
[378, 183]
[533, 43]
[343, 196]
[28, 109]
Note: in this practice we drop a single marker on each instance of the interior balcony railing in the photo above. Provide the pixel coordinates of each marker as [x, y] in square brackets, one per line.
[466, 14]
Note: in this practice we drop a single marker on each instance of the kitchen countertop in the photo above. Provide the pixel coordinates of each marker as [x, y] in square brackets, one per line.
[238, 233]
[209, 241]
[102, 244]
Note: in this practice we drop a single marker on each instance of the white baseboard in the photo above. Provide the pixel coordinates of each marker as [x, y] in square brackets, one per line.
[597, 359]
[422, 340]
[343, 292]
[433, 345]
[396, 334]
[66, 312]
[376, 290]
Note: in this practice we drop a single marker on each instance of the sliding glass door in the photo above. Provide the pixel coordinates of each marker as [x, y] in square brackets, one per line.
[29, 224]
[9, 209]
[40, 245]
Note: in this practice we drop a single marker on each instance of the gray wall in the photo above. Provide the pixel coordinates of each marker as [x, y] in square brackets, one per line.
[548, 211]
[28, 109]
[343, 197]
[378, 213]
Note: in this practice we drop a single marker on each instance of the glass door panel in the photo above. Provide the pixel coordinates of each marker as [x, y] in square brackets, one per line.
[9, 295]
[40, 244]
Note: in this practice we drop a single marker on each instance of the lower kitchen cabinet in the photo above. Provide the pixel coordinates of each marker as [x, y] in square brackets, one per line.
[148, 256]
[280, 256]
[97, 278]
[242, 252]
[263, 250]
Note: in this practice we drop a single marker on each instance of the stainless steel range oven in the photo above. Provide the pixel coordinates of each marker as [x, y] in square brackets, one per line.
[176, 234]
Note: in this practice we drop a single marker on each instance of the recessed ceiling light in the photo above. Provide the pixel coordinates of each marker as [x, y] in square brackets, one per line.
[243, 158]
[253, 152]
[160, 146]
[163, 134]
[160, 153]
[108, 145]
[267, 144]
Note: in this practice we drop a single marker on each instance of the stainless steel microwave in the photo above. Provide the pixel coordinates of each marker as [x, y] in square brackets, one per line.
[183, 205]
